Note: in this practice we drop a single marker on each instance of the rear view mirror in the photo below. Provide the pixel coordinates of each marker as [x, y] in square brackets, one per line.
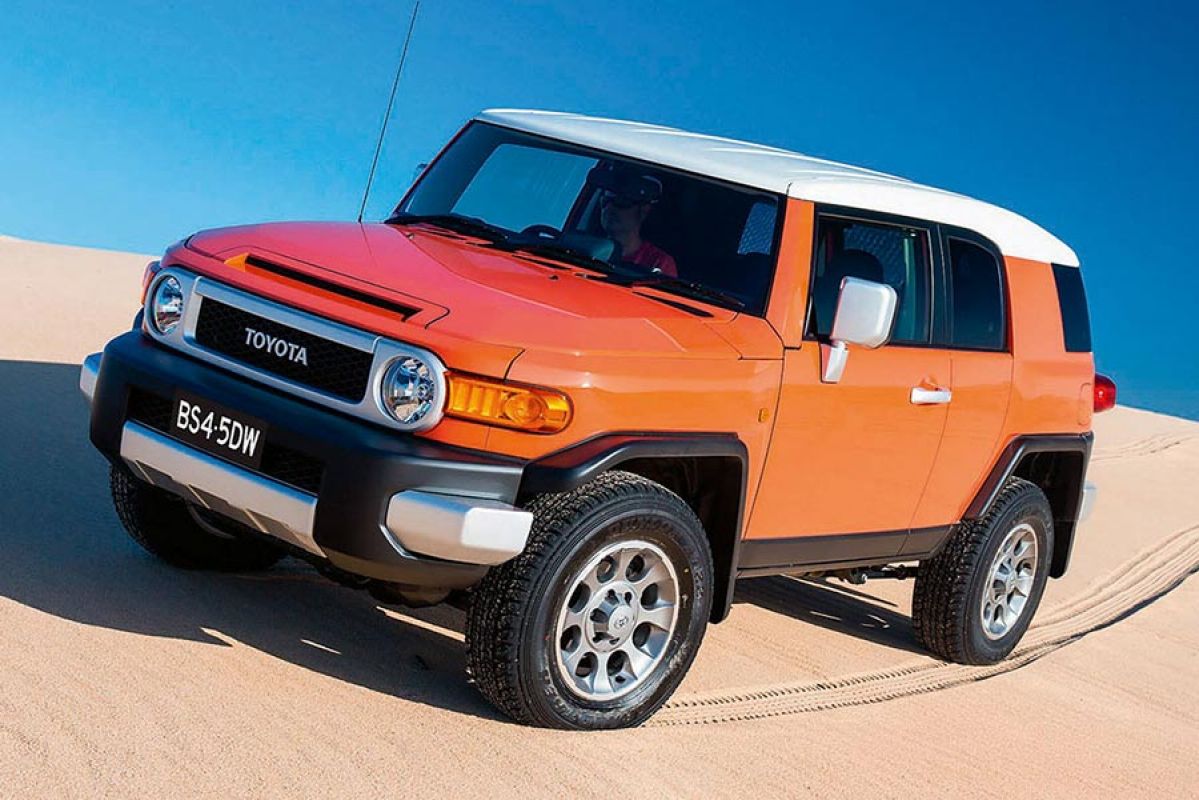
[864, 317]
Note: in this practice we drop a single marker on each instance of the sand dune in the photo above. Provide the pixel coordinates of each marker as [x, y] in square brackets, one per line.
[121, 677]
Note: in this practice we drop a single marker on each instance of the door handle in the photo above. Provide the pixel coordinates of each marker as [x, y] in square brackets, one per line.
[930, 397]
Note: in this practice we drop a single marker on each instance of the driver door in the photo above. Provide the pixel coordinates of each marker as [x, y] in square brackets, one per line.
[849, 461]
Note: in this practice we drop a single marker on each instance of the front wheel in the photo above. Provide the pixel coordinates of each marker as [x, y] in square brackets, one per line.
[975, 599]
[597, 621]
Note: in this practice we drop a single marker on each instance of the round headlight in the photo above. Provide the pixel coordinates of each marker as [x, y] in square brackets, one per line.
[409, 390]
[166, 309]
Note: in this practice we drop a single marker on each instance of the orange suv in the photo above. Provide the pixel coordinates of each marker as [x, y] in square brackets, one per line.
[590, 373]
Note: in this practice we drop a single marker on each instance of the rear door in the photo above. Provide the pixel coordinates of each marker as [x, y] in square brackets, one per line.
[972, 324]
[854, 457]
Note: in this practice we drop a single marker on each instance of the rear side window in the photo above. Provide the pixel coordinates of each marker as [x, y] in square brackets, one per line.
[977, 316]
[891, 254]
[1072, 298]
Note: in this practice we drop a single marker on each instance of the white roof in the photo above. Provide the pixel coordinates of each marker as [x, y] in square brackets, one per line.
[793, 174]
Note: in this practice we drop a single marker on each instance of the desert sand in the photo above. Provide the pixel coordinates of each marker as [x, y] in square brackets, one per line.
[122, 677]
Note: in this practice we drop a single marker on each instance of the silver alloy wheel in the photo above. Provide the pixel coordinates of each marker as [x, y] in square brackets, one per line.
[617, 619]
[1010, 581]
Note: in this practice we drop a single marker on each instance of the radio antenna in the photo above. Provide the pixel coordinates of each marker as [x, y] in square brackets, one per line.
[387, 115]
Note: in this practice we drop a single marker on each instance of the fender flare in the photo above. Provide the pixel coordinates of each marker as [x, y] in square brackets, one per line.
[573, 466]
[1066, 516]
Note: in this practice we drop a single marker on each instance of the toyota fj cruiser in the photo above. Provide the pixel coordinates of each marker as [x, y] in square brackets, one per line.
[590, 373]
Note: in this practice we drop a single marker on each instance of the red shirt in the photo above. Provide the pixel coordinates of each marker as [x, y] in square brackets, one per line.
[653, 257]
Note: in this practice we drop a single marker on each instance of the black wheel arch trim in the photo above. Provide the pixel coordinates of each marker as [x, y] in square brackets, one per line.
[573, 466]
[1007, 465]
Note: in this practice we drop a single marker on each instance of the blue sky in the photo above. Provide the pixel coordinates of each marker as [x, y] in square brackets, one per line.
[128, 125]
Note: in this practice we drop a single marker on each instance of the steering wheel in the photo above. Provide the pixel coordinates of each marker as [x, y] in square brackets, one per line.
[541, 231]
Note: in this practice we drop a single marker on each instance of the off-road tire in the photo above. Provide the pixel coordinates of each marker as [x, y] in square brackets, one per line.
[510, 623]
[161, 523]
[949, 586]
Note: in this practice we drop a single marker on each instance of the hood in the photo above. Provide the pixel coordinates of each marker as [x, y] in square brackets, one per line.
[462, 288]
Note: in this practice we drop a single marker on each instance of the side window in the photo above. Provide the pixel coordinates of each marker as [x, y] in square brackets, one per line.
[890, 254]
[758, 234]
[1072, 300]
[976, 316]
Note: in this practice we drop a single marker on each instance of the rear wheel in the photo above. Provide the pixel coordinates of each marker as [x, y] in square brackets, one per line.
[595, 624]
[975, 599]
[182, 535]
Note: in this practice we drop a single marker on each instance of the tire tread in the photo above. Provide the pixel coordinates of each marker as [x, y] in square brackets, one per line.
[502, 600]
[941, 606]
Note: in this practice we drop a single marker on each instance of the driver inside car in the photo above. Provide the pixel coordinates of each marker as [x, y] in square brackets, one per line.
[626, 200]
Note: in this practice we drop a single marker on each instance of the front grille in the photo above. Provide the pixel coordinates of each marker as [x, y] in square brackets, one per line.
[150, 410]
[281, 463]
[328, 366]
[292, 467]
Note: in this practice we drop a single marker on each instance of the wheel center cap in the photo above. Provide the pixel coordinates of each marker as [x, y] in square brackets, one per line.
[613, 619]
[621, 621]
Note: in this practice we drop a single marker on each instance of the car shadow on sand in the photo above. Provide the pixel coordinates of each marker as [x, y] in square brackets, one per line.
[831, 605]
[65, 554]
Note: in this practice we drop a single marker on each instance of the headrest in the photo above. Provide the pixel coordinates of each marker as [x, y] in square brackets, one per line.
[854, 264]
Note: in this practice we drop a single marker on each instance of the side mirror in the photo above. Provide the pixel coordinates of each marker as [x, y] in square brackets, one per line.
[864, 317]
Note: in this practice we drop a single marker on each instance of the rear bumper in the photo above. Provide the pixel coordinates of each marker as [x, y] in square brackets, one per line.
[1090, 493]
[377, 503]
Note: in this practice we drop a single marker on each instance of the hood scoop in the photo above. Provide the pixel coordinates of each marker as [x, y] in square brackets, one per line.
[254, 264]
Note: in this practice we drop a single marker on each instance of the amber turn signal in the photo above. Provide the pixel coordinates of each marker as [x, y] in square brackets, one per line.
[508, 405]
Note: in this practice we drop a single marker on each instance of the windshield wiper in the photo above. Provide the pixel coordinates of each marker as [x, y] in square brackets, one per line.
[691, 289]
[459, 223]
[558, 252]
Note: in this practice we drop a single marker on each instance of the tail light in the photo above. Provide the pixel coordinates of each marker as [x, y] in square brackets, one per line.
[1105, 393]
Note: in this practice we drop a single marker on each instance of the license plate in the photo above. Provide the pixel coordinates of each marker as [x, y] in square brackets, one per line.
[220, 431]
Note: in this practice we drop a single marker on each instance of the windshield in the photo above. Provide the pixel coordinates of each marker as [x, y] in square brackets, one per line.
[636, 223]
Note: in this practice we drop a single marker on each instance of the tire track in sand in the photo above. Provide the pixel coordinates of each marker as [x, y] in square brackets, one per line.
[1146, 577]
[1142, 447]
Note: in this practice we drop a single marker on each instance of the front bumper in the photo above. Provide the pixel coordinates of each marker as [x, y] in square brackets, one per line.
[376, 503]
